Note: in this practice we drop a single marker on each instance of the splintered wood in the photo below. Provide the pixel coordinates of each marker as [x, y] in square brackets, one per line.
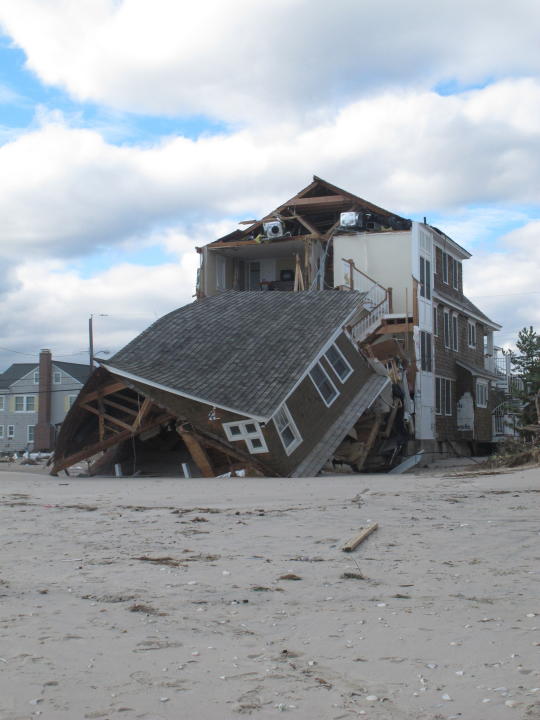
[354, 542]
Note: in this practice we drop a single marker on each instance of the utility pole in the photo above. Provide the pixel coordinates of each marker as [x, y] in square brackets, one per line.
[91, 342]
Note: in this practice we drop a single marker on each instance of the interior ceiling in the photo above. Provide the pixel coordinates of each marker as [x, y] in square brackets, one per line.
[281, 249]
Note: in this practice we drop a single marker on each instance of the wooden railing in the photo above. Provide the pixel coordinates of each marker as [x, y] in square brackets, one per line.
[377, 301]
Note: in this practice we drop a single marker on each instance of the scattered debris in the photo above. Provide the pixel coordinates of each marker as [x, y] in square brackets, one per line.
[354, 542]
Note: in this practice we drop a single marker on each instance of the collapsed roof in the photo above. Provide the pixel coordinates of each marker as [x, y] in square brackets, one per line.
[240, 351]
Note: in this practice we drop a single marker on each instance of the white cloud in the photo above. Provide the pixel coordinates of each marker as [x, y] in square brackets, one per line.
[239, 59]
[65, 191]
[504, 281]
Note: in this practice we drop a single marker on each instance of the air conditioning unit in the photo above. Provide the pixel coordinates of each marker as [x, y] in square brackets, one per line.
[274, 229]
[350, 220]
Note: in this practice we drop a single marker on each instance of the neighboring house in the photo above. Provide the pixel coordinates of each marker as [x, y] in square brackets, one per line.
[412, 278]
[34, 399]
[266, 381]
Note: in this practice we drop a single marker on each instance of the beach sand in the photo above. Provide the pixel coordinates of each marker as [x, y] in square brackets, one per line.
[165, 599]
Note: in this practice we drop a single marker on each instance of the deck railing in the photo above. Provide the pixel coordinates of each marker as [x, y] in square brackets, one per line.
[376, 301]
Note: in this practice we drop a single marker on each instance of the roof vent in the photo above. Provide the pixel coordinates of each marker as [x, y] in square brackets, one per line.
[274, 229]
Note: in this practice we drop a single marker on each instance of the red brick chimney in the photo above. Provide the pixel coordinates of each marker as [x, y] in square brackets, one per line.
[44, 432]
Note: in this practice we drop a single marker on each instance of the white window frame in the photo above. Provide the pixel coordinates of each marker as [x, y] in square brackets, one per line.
[447, 329]
[455, 273]
[471, 333]
[25, 403]
[291, 425]
[28, 433]
[444, 267]
[2, 402]
[221, 272]
[36, 377]
[441, 386]
[349, 370]
[246, 435]
[10, 432]
[1, 432]
[325, 401]
[454, 334]
[57, 377]
[482, 393]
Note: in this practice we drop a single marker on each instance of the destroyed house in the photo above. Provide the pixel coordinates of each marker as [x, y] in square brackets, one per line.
[410, 274]
[269, 382]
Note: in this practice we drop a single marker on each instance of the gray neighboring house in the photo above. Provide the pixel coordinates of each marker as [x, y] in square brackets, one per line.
[34, 400]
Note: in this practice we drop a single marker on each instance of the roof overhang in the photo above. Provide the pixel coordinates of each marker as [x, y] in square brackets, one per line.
[478, 372]
[466, 311]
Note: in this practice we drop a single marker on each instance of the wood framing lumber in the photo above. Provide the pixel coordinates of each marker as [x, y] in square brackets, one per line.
[323, 201]
[110, 418]
[243, 458]
[197, 452]
[369, 442]
[102, 392]
[105, 444]
[145, 408]
[354, 542]
[394, 328]
[118, 406]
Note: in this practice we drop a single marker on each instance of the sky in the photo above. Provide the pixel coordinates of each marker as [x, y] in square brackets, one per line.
[133, 131]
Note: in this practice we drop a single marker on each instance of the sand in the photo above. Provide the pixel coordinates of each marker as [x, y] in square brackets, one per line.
[436, 615]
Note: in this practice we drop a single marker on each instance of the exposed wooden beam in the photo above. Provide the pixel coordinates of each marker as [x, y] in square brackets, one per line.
[118, 406]
[322, 201]
[395, 328]
[102, 392]
[145, 408]
[106, 444]
[197, 451]
[110, 418]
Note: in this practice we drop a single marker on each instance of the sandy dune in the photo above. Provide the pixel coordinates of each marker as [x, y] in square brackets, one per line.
[162, 599]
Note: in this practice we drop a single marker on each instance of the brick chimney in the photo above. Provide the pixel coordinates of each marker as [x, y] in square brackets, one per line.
[44, 432]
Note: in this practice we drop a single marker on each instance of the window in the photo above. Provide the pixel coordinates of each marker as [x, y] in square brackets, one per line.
[25, 403]
[57, 377]
[249, 431]
[221, 269]
[455, 267]
[446, 329]
[30, 433]
[481, 393]
[425, 278]
[11, 432]
[287, 430]
[454, 333]
[471, 331]
[443, 396]
[1, 432]
[327, 389]
[71, 400]
[338, 362]
[435, 321]
[2, 404]
[425, 351]
[445, 267]
[36, 377]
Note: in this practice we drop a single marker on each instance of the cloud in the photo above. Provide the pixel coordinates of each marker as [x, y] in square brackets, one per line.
[50, 306]
[504, 281]
[66, 192]
[239, 59]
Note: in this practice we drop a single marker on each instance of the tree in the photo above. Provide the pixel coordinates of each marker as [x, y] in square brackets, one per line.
[527, 363]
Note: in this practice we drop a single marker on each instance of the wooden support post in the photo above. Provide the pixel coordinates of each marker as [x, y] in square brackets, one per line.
[391, 418]
[145, 407]
[101, 420]
[351, 274]
[390, 301]
[197, 452]
[415, 301]
[298, 277]
[369, 442]
[354, 542]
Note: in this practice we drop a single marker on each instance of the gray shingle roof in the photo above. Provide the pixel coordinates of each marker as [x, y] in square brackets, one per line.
[19, 370]
[239, 350]
[76, 370]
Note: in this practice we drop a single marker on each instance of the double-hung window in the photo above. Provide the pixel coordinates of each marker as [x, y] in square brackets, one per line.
[57, 377]
[25, 403]
[444, 263]
[481, 393]
[435, 321]
[425, 278]
[425, 351]
[443, 396]
[1, 432]
[250, 432]
[339, 363]
[36, 377]
[287, 430]
[446, 316]
[455, 327]
[30, 433]
[2, 403]
[326, 388]
[10, 432]
[471, 332]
